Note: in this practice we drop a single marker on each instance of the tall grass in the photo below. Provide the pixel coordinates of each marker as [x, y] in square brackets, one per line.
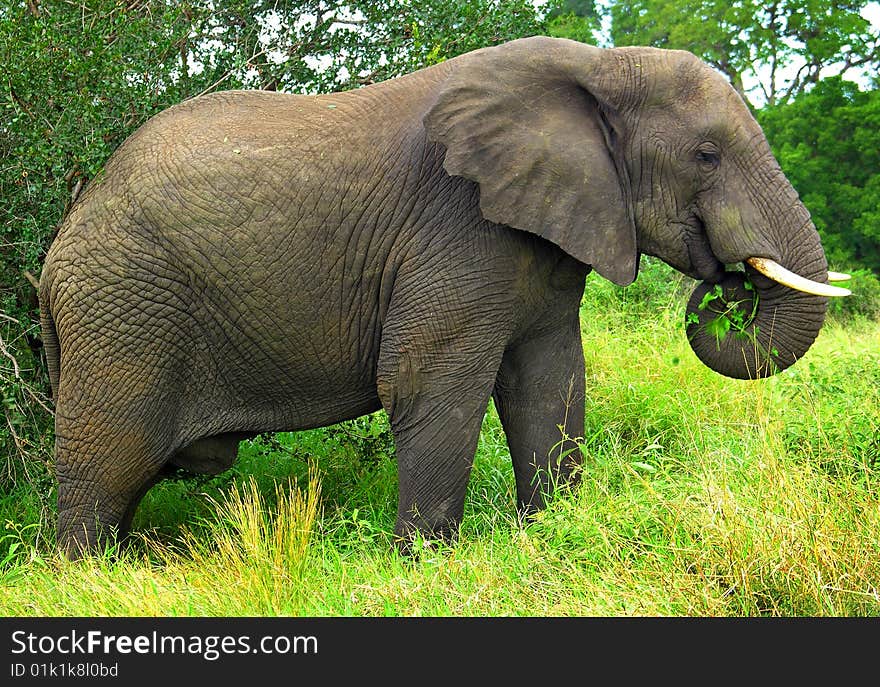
[258, 552]
[699, 496]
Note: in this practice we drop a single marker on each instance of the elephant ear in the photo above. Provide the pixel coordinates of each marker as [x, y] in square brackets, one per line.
[529, 122]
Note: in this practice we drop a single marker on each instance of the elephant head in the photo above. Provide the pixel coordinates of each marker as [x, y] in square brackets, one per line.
[610, 153]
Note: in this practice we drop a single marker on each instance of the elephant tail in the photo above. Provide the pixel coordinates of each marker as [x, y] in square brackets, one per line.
[50, 337]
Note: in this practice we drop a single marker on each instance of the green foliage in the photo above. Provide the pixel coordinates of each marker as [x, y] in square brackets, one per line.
[827, 142]
[329, 45]
[657, 292]
[840, 413]
[735, 315]
[578, 20]
[865, 301]
[755, 39]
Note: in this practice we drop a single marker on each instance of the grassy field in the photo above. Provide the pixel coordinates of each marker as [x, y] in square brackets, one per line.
[700, 496]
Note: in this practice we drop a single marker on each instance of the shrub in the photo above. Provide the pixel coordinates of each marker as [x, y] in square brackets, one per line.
[865, 301]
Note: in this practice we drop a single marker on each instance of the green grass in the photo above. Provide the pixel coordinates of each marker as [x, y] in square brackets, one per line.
[700, 496]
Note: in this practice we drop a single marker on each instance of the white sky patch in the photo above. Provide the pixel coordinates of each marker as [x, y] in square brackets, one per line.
[305, 21]
[318, 63]
[347, 18]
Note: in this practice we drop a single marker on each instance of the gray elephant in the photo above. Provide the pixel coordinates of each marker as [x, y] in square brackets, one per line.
[254, 262]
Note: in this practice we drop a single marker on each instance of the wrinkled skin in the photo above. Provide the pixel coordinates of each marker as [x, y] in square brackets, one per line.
[253, 262]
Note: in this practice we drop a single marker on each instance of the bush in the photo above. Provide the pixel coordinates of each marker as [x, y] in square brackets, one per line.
[865, 301]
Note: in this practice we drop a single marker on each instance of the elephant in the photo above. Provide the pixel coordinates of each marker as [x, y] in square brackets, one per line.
[255, 261]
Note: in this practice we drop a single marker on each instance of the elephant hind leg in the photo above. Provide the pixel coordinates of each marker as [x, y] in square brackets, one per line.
[95, 514]
[107, 457]
[98, 493]
[92, 516]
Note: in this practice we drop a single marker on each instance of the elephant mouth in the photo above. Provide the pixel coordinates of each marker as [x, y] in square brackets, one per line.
[705, 266]
[708, 268]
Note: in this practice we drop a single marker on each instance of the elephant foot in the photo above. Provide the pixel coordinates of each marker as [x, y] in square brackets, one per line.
[415, 532]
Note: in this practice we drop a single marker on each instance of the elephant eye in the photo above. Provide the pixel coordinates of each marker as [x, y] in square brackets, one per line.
[708, 157]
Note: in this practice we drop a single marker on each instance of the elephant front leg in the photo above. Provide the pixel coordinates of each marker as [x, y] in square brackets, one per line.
[539, 395]
[436, 407]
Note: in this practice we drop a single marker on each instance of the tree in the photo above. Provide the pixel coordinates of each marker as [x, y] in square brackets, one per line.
[828, 143]
[578, 20]
[324, 45]
[782, 46]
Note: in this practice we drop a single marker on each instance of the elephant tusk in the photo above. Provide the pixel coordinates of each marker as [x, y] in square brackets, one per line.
[838, 276]
[779, 274]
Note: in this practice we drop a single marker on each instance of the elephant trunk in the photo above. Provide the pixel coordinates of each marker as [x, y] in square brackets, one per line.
[749, 325]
